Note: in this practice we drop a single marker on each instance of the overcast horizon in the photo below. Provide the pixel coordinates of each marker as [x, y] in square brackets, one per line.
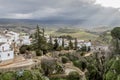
[79, 12]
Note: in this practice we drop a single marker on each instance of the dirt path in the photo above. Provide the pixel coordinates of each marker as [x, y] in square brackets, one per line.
[18, 64]
[70, 67]
[88, 54]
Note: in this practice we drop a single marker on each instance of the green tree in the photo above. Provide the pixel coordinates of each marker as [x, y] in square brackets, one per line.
[50, 41]
[43, 31]
[25, 48]
[70, 45]
[56, 45]
[76, 43]
[24, 75]
[39, 41]
[73, 76]
[63, 42]
[50, 65]
[96, 66]
[115, 33]
[50, 44]
[8, 76]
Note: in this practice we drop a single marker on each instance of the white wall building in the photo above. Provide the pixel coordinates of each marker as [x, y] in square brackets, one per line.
[6, 53]
[25, 40]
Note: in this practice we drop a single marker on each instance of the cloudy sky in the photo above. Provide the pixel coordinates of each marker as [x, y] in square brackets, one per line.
[81, 12]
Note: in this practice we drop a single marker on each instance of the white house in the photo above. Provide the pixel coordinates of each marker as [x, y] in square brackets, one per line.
[13, 35]
[26, 40]
[6, 53]
[3, 39]
[59, 41]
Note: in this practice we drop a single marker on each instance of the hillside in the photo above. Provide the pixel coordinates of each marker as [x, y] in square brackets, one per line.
[75, 33]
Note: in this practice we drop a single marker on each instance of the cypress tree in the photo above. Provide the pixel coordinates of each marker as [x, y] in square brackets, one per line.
[70, 45]
[39, 41]
[50, 43]
[63, 42]
[56, 45]
[76, 43]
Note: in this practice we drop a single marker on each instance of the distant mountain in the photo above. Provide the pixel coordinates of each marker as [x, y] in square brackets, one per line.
[51, 23]
[36, 21]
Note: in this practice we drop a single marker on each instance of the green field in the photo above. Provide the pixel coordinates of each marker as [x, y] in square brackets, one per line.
[76, 33]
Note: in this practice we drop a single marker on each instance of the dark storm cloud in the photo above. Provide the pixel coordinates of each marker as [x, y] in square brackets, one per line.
[80, 12]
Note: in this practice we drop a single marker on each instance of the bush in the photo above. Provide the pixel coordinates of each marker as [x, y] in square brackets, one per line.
[82, 53]
[73, 76]
[59, 68]
[39, 53]
[48, 66]
[72, 57]
[80, 64]
[83, 49]
[37, 75]
[26, 75]
[23, 48]
[116, 66]
[118, 77]
[8, 76]
[59, 48]
[64, 59]
[111, 76]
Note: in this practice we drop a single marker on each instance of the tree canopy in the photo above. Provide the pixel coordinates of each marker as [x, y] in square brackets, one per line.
[115, 33]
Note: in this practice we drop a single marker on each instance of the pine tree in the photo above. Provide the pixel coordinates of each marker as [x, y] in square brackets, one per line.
[43, 30]
[70, 45]
[63, 42]
[50, 43]
[76, 43]
[39, 41]
[56, 45]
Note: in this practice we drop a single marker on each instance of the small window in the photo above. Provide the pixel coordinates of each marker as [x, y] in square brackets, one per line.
[8, 54]
[3, 48]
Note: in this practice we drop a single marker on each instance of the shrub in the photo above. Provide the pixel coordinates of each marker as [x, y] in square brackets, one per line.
[73, 76]
[64, 59]
[72, 57]
[82, 53]
[8, 76]
[80, 64]
[23, 48]
[48, 66]
[26, 75]
[39, 53]
[83, 49]
[116, 66]
[59, 48]
[37, 75]
[111, 76]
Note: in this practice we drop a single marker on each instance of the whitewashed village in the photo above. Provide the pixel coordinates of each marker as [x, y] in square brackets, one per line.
[43, 56]
[9, 45]
[10, 42]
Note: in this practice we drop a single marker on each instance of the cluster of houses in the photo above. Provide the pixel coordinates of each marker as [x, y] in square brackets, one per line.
[80, 43]
[10, 42]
